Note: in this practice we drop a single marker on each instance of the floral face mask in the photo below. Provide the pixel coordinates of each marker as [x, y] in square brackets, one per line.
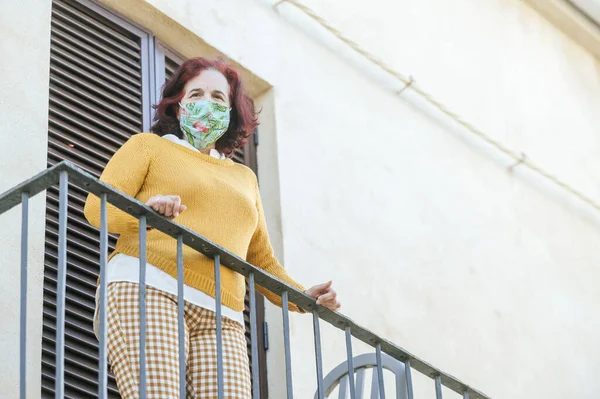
[203, 122]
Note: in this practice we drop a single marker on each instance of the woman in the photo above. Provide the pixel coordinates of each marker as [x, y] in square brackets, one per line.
[183, 171]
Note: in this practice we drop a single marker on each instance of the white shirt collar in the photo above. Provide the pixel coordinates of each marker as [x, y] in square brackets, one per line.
[213, 152]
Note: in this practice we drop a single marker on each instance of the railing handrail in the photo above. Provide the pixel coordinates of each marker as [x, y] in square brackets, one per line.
[82, 179]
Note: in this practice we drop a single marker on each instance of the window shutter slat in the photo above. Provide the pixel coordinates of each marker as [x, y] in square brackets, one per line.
[57, 60]
[86, 20]
[68, 80]
[97, 64]
[67, 39]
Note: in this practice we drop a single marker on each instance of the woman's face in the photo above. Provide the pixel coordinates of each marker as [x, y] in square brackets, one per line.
[209, 85]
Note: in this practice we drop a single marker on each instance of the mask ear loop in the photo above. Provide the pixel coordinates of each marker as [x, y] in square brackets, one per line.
[181, 106]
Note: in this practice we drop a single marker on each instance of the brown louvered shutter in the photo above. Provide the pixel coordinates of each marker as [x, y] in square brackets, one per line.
[95, 106]
[170, 66]
[245, 156]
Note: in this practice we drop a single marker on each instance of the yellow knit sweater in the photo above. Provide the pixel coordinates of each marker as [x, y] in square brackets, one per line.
[223, 205]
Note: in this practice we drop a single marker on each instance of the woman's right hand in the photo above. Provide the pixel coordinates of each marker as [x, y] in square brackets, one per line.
[167, 205]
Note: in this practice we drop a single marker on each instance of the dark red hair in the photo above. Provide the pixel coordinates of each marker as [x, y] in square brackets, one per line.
[243, 117]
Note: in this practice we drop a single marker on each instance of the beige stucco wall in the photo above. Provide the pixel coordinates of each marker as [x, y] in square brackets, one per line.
[429, 239]
[24, 69]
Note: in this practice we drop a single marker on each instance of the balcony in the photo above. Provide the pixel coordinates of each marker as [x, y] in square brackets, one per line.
[348, 378]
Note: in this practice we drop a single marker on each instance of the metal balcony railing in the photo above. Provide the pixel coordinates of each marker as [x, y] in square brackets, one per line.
[65, 173]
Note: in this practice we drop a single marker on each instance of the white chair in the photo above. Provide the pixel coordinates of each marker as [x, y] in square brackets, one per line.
[363, 363]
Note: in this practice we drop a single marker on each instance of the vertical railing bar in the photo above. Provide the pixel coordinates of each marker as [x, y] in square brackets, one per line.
[408, 373]
[360, 381]
[61, 286]
[102, 355]
[220, 376]
[180, 317]
[466, 395]
[23, 328]
[142, 290]
[343, 388]
[380, 371]
[254, 339]
[374, 383]
[286, 344]
[438, 387]
[318, 355]
[350, 363]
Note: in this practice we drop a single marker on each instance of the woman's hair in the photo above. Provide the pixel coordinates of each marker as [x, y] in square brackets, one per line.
[243, 117]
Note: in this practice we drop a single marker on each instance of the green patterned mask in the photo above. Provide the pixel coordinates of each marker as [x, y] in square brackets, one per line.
[203, 122]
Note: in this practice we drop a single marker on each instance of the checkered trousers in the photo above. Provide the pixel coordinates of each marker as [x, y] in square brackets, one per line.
[162, 347]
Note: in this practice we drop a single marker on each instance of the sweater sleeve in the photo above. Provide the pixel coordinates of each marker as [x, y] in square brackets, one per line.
[260, 254]
[126, 172]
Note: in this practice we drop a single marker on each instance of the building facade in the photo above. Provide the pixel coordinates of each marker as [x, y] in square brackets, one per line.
[433, 238]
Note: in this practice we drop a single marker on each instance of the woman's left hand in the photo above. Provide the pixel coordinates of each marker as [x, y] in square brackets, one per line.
[325, 296]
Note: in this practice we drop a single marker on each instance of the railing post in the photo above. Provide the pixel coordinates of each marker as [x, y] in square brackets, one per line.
[220, 385]
[180, 316]
[102, 356]
[380, 371]
[360, 380]
[350, 363]
[24, 254]
[408, 374]
[286, 344]
[318, 355]
[61, 286]
[438, 387]
[254, 339]
[142, 291]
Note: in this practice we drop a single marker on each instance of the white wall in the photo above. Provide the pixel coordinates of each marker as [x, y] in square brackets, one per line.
[430, 241]
[24, 69]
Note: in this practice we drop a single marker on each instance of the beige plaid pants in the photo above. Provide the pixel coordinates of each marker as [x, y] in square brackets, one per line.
[162, 347]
